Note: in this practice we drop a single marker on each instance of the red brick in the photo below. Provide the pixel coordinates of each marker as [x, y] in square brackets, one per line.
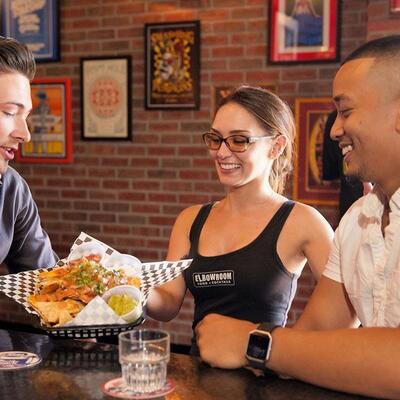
[227, 77]
[224, 27]
[227, 51]
[73, 194]
[101, 34]
[74, 216]
[163, 197]
[130, 8]
[115, 184]
[248, 12]
[221, 14]
[145, 208]
[194, 175]
[100, 217]
[116, 229]
[245, 63]
[131, 196]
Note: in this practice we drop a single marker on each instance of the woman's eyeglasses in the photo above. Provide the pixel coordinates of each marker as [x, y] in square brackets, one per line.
[235, 143]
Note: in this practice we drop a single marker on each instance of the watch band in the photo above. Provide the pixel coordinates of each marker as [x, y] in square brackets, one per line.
[266, 327]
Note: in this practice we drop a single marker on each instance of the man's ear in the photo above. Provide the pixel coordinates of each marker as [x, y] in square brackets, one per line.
[397, 122]
[279, 145]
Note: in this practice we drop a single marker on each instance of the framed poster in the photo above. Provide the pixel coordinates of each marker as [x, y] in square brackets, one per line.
[308, 186]
[395, 6]
[49, 123]
[304, 31]
[106, 98]
[172, 65]
[219, 92]
[34, 23]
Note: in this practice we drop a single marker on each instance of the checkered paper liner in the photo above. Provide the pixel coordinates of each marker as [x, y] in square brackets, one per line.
[19, 286]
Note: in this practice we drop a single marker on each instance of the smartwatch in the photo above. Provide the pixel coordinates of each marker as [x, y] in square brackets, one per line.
[259, 346]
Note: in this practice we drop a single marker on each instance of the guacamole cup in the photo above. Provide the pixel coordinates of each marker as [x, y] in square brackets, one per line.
[126, 301]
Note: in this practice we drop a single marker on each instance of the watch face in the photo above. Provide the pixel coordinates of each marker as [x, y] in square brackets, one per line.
[258, 346]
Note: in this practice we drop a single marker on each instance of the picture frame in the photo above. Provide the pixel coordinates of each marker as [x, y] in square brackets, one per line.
[304, 31]
[172, 78]
[106, 98]
[395, 6]
[34, 23]
[49, 123]
[219, 92]
[308, 186]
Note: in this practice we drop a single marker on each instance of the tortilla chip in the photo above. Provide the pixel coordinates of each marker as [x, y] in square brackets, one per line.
[56, 312]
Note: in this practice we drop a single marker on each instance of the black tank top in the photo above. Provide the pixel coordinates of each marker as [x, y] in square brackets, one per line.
[250, 283]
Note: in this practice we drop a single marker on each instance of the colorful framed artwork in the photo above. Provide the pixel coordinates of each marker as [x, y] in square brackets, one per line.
[106, 98]
[35, 23]
[308, 185]
[172, 65]
[395, 6]
[49, 123]
[219, 92]
[304, 31]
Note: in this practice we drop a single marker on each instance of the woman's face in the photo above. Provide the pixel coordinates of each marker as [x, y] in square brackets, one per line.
[254, 164]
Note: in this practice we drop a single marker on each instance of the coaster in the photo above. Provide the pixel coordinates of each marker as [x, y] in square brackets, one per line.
[10, 360]
[116, 388]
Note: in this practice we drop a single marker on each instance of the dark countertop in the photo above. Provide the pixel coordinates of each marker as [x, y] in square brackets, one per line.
[73, 369]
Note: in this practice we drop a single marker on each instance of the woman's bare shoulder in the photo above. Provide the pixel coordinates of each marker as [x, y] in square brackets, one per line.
[309, 218]
[187, 215]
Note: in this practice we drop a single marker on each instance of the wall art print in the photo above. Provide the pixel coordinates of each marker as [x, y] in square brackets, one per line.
[308, 185]
[106, 98]
[304, 31]
[172, 65]
[49, 123]
[35, 23]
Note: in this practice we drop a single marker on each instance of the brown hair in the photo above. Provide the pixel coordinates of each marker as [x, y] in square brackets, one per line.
[276, 118]
[16, 57]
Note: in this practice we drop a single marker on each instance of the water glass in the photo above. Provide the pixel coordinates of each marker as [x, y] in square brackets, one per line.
[144, 355]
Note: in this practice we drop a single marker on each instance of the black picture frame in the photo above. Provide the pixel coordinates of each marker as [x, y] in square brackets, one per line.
[172, 78]
[41, 33]
[106, 98]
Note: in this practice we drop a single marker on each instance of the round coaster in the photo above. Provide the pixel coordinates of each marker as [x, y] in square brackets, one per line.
[10, 360]
[116, 388]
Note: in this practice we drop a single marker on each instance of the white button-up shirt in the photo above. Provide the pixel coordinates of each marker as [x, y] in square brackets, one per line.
[368, 263]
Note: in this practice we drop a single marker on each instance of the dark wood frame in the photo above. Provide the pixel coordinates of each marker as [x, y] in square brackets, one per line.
[166, 92]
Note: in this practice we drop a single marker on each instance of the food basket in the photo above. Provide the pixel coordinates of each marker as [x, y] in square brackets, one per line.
[19, 286]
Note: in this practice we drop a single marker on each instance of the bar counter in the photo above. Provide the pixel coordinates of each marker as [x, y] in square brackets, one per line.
[73, 369]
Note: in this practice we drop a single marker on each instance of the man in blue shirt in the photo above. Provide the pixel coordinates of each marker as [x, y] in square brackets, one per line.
[23, 242]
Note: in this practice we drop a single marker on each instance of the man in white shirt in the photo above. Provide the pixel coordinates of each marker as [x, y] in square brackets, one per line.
[361, 282]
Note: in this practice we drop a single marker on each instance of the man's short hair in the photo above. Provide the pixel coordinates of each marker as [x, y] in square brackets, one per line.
[16, 57]
[385, 47]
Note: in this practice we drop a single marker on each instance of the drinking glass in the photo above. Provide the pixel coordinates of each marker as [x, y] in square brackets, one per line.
[144, 355]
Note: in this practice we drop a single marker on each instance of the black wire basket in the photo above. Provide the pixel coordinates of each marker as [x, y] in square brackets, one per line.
[94, 331]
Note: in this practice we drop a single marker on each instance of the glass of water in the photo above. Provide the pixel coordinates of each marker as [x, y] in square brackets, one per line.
[144, 355]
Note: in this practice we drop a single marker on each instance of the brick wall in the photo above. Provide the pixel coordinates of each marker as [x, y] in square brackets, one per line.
[128, 194]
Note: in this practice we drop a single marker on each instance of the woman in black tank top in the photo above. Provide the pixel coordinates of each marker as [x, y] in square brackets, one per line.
[250, 247]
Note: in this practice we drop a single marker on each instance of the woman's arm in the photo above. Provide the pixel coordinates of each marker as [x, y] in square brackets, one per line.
[318, 238]
[165, 301]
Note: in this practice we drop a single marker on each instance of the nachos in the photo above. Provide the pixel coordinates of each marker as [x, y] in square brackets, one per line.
[63, 292]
